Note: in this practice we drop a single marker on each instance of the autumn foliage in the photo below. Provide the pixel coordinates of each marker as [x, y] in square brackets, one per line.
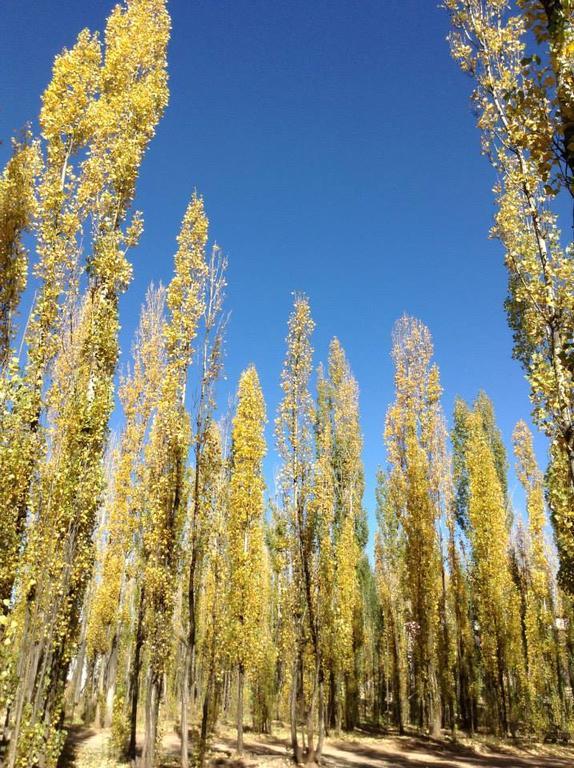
[159, 575]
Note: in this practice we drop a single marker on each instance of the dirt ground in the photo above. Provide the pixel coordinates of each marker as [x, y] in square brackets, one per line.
[87, 748]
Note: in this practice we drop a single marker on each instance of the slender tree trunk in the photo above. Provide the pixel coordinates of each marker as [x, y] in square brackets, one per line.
[240, 681]
[398, 681]
[205, 719]
[331, 719]
[110, 683]
[135, 677]
[502, 691]
[30, 663]
[151, 719]
[558, 662]
[76, 681]
[310, 757]
[192, 576]
[321, 725]
[434, 708]
[185, 685]
[89, 709]
[226, 693]
[294, 696]
[449, 699]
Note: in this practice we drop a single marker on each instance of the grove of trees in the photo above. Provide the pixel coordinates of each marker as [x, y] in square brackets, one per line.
[149, 575]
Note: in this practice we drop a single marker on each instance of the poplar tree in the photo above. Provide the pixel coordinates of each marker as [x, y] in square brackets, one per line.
[391, 578]
[525, 104]
[467, 674]
[17, 210]
[245, 536]
[106, 109]
[169, 442]
[294, 434]
[113, 592]
[332, 618]
[200, 522]
[415, 447]
[348, 534]
[494, 594]
[213, 609]
[543, 674]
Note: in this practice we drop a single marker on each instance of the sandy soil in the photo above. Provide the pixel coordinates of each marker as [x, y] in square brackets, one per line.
[87, 748]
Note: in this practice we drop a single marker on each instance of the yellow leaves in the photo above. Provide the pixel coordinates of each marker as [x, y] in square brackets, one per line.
[527, 469]
[462, 52]
[292, 425]
[414, 492]
[166, 481]
[247, 589]
[138, 393]
[98, 114]
[17, 210]
[343, 395]
[134, 230]
[133, 95]
[66, 103]
[185, 293]
[526, 115]
[535, 584]
[416, 412]
[347, 592]
[495, 594]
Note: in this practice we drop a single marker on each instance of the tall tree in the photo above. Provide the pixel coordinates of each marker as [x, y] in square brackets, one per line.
[138, 396]
[543, 673]
[525, 104]
[414, 437]
[107, 110]
[201, 508]
[169, 443]
[294, 433]
[245, 535]
[213, 609]
[495, 596]
[17, 210]
[391, 583]
[348, 534]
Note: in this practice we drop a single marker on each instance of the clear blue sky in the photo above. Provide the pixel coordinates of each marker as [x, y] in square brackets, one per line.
[337, 153]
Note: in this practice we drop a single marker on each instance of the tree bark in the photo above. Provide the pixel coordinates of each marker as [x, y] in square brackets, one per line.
[151, 719]
[240, 681]
[185, 683]
[297, 755]
[134, 679]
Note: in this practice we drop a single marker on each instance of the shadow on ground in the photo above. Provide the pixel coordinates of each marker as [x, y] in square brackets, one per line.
[365, 751]
[76, 736]
[390, 752]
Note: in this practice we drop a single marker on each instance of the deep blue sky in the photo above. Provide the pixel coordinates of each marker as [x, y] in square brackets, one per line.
[337, 153]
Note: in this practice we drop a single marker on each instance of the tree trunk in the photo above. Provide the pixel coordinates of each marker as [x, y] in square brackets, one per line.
[135, 677]
[205, 720]
[151, 718]
[310, 756]
[184, 708]
[240, 680]
[75, 690]
[398, 683]
[331, 719]
[321, 724]
[297, 755]
[110, 683]
[502, 691]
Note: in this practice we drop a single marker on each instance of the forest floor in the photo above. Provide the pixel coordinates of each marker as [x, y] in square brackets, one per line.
[88, 748]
